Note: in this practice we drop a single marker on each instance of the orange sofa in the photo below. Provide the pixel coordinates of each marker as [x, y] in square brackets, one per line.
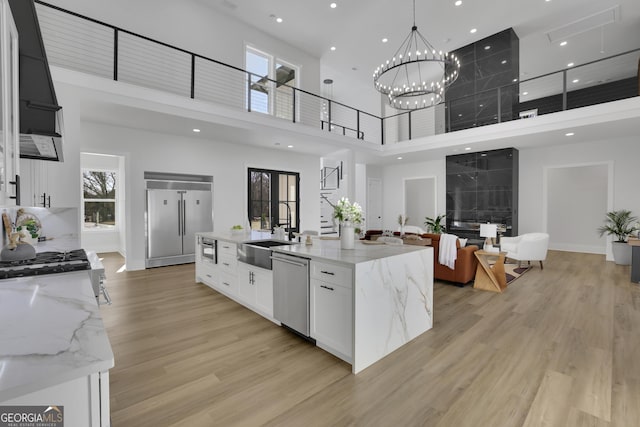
[466, 263]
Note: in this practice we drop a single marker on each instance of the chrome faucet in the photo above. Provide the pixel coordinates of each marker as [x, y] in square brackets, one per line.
[290, 234]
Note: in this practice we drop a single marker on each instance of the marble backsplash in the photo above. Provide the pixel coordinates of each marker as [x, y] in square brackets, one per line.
[59, 226]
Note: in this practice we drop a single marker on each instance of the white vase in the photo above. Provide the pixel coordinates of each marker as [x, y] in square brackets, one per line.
[347, 236]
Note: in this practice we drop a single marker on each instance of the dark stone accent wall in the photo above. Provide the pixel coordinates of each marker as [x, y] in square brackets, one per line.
[607, 92]
[482, 69]
[482, 187]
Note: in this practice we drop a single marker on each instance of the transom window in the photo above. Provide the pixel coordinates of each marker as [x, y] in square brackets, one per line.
[271, 85]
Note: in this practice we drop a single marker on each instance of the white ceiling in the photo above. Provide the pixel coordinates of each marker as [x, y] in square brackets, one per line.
[356, 28]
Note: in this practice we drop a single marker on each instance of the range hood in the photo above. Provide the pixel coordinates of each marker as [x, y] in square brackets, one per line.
[40, 114]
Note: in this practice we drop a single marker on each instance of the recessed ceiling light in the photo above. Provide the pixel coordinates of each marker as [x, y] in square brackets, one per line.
[515, 80]
[196, 130]
[333, 5]
[289, 146]
[575, 80]
[525, 93]
[458, 3]
[487, 47]
[569, 134]
[570, 64]
[564, 43]
[547, 1]
[460, 115]
[473, 30]
[399, 158]
[467, 149]
[481, 105]
[384, 40]
[504, 61]
[278, 20]
[333, 48]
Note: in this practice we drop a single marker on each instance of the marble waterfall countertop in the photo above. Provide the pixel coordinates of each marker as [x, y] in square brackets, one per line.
[51, 331]
[322, 249]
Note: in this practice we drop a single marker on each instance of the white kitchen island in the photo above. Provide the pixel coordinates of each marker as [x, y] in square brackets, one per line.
[54, 349]
[365, 302]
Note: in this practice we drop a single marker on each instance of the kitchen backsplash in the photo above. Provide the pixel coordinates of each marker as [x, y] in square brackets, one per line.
[58, 228]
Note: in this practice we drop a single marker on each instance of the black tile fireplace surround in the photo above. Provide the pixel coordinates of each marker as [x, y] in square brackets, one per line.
[482, 187]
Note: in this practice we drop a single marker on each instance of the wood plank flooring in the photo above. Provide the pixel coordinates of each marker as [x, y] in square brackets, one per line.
[560, 347]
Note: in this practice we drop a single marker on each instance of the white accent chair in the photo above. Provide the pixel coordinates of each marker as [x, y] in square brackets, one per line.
[526, 247]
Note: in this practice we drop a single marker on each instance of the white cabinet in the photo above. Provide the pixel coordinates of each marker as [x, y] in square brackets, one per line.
[206, 270]
[85, 400]
[332, 308]
[10, 132]
[255, 288]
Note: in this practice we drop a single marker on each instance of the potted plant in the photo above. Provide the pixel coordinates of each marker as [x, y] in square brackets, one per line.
[435, 225]
[620, 224]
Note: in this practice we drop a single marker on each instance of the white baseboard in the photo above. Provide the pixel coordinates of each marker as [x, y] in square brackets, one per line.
[569, 247]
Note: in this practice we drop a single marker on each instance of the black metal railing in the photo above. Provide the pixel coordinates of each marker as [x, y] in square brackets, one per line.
[85, 44]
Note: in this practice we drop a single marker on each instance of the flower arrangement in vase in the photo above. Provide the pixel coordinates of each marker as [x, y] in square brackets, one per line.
[402, 221]
[348, 215]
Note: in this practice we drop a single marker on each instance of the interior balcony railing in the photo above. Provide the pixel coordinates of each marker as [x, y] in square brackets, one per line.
[85, 44]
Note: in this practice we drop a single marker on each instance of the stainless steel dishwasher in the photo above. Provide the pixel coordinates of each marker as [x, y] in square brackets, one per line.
[291, 292]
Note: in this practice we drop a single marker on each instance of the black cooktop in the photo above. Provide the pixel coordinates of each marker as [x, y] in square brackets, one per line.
[46, 263]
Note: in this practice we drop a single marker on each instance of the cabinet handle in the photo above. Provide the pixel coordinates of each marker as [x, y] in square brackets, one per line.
[330, 273]
[226, 284]
[224, 263]
[209, 276]
[327, 287]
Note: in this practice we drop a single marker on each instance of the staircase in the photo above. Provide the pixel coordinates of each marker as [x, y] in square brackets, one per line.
[327, 225]
[329, 195]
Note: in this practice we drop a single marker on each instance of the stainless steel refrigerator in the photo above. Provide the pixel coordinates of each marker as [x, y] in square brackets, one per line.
[178, 206]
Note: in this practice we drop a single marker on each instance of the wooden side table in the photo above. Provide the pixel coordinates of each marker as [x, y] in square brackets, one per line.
[490, 278]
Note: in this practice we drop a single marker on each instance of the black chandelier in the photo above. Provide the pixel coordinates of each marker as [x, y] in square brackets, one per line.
[416, 76]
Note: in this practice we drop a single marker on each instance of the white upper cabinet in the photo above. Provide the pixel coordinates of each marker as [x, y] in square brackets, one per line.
[10, 122]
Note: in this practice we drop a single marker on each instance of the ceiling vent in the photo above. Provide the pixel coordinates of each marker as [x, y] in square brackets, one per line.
[582, 25]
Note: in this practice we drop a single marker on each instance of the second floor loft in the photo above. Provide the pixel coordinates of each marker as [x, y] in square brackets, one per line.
[86, 45]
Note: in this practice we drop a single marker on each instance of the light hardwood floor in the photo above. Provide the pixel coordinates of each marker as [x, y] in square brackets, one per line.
[561, 347]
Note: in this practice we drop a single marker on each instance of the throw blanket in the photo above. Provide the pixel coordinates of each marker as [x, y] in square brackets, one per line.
[448, 253]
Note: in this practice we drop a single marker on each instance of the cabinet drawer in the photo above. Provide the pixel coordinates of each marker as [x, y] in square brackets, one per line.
[332, 273]
[226, 248]
[208, 273]
[228, 283]
[228, 263]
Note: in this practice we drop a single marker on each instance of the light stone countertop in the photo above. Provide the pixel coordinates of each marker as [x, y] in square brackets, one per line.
[324, 250]
[51, 332]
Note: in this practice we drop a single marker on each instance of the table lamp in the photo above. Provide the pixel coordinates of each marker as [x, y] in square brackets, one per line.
[489, 231]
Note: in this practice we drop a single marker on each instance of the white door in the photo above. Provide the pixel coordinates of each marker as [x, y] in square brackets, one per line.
[374, 204]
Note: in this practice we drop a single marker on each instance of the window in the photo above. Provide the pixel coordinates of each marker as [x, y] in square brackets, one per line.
[273, 199]
[271, 84]
[99, 199]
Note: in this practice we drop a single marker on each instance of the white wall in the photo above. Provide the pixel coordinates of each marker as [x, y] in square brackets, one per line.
[626, 174]
[190, 25]
[393, 189]
[623, 153]
[576, 199]
[227, 163]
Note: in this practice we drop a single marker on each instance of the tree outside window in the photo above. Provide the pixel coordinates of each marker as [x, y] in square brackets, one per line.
[99, 199]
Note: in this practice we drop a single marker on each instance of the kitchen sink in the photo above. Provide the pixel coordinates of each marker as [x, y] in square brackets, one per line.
[268, 243]
[258, 253]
